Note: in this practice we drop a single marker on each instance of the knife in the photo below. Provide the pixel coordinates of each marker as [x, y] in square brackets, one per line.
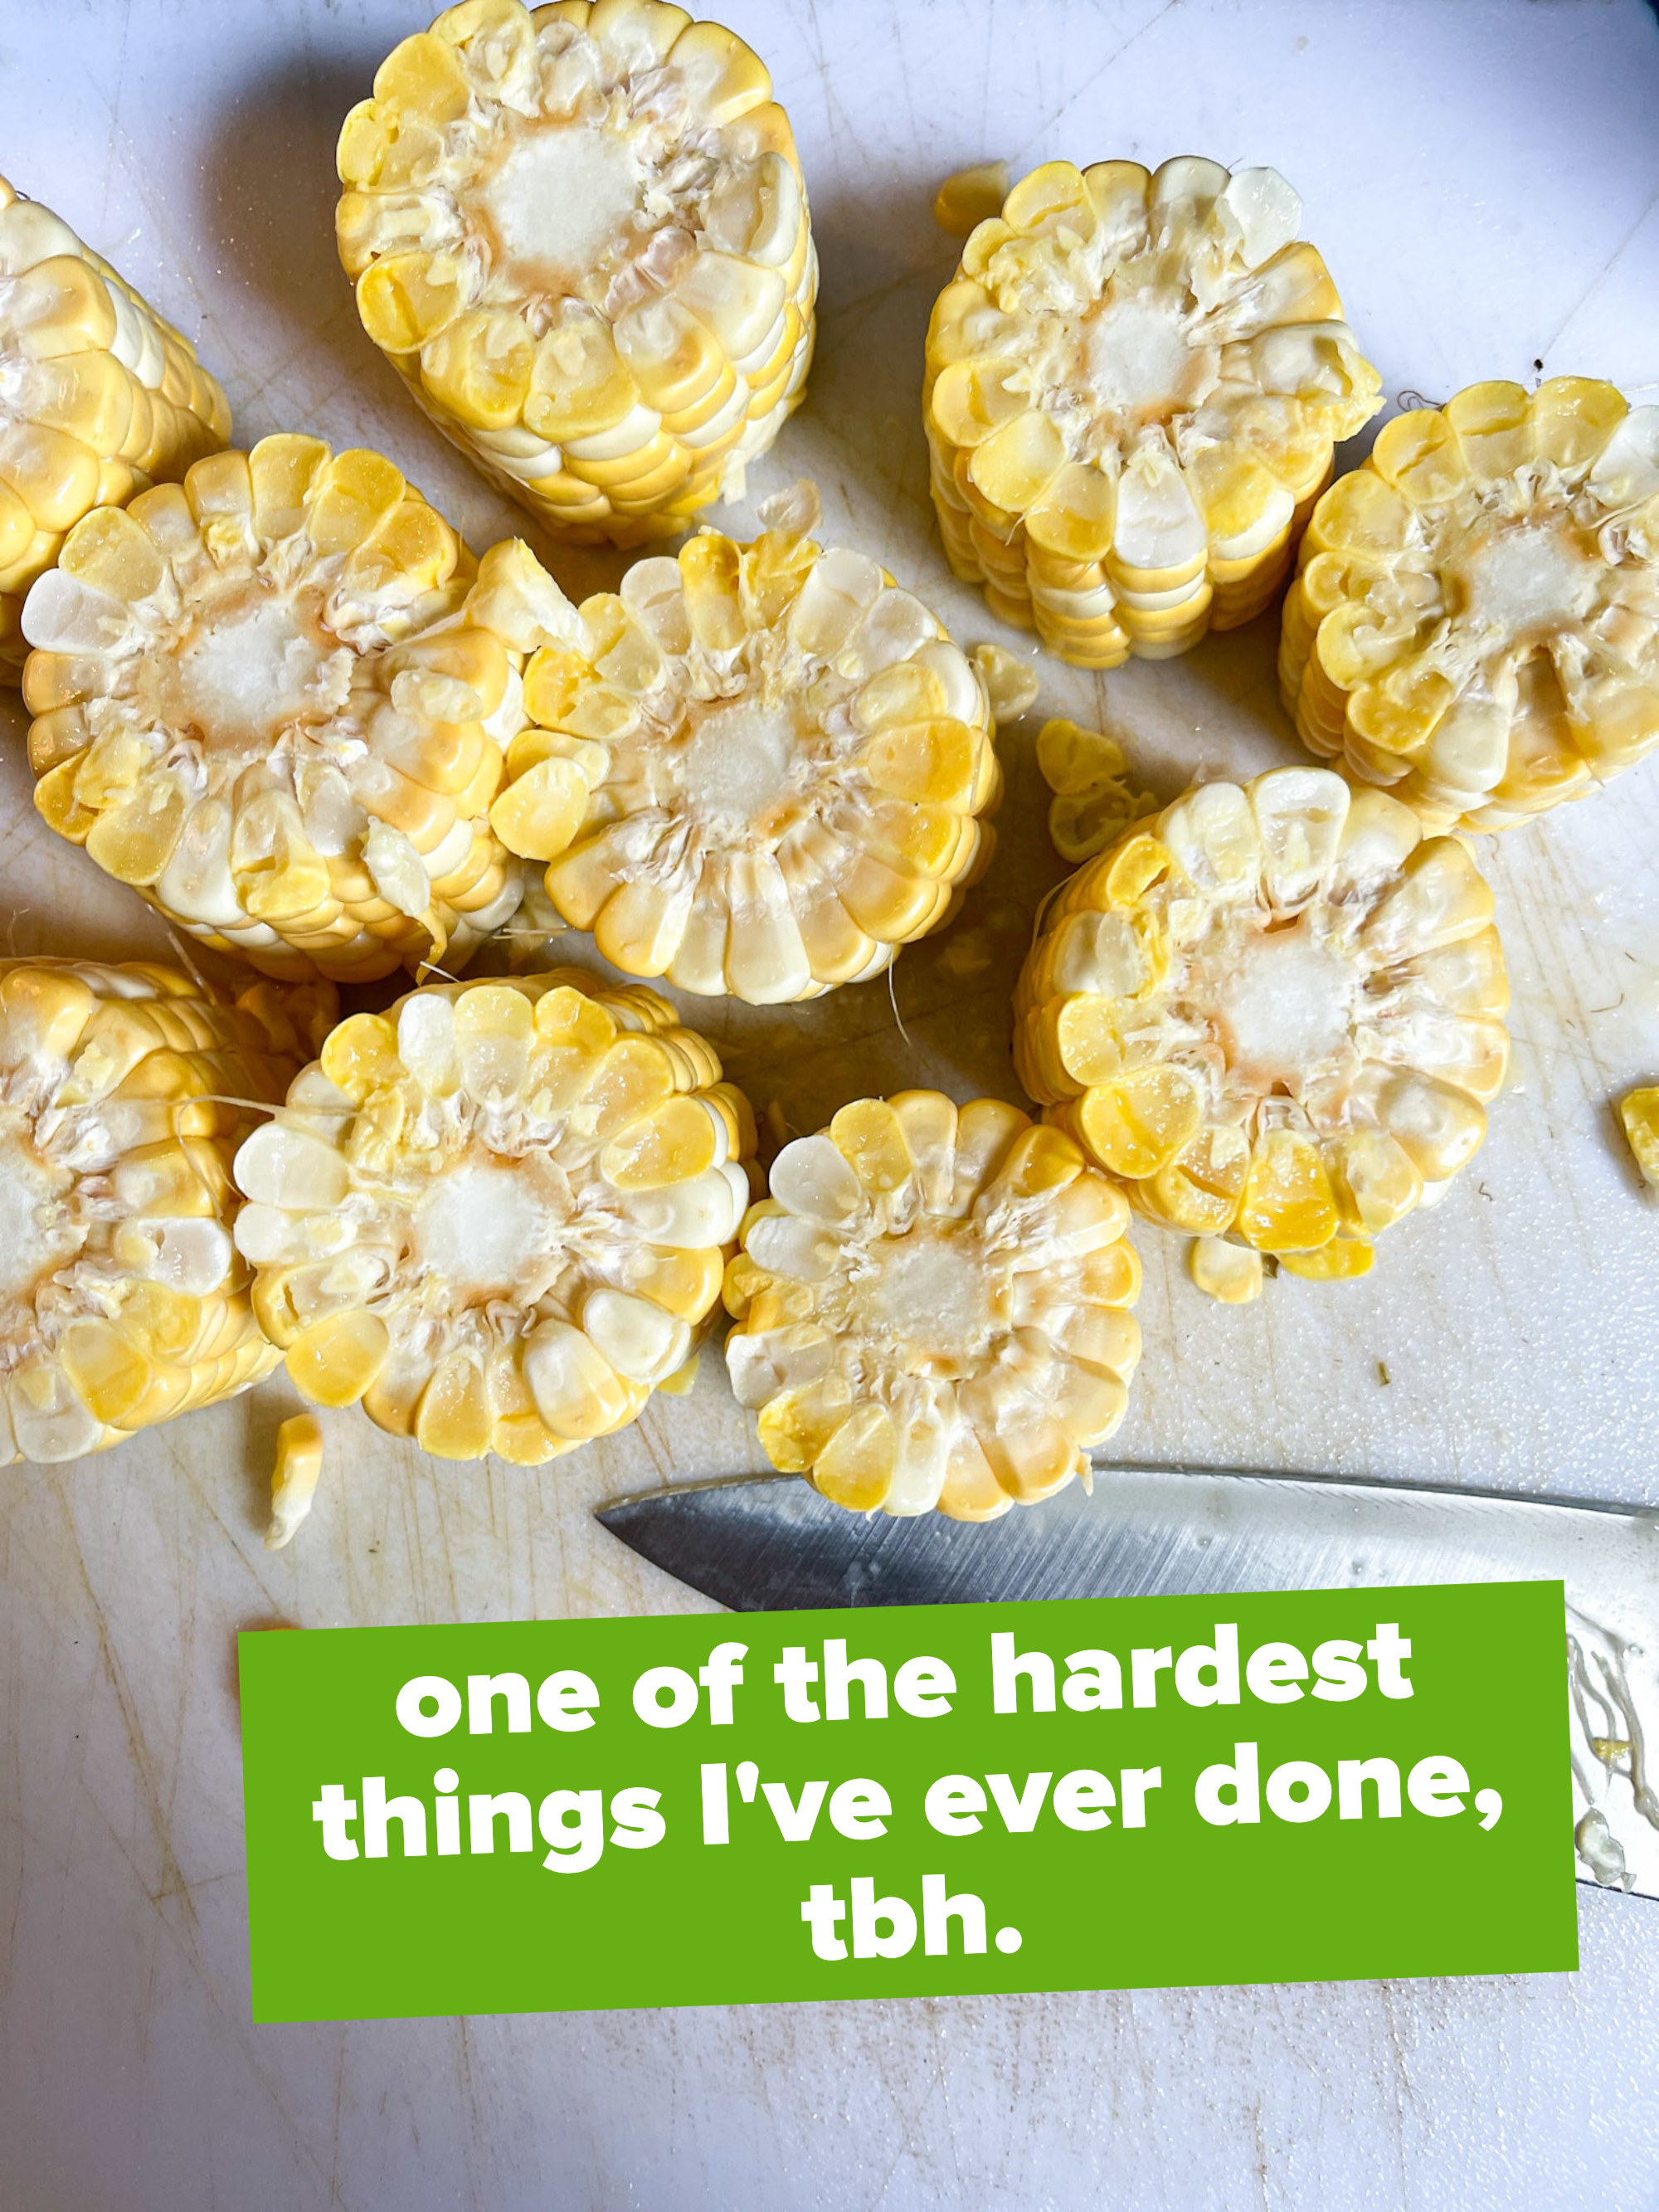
[773, 1544]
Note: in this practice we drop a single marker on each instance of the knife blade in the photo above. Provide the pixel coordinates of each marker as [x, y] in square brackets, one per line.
[771, 1544]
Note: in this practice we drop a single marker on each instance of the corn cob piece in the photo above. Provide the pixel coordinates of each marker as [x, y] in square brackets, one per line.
[497, 1214]
[1639, 1112]
[1475, 624]
[1274, 1013]
[123, 1094]
[783, 760]
[1094, 801]
[581, 237]
[271, 700]
[932, 1308]
[98, 398]
[1133, 385]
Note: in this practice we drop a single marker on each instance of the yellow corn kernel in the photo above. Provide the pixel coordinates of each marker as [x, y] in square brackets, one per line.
[1639, 1112]
[1230, 1273]
[295, 1477]
[620, 316]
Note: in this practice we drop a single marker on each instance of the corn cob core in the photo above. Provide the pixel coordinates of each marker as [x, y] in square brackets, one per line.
[933, 1308]
[581, 236]
[783, 760]
[99, 398]
[497, 1214]
[1134, 386]
[123, 1095]
[1475, 624]
[1275, 1013]
[266, 699]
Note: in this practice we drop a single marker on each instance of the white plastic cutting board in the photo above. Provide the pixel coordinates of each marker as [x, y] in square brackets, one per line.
[1483, 178]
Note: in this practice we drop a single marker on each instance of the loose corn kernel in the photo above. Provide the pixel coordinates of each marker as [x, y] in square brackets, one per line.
[295, 1478]
[1011, 684]
[581, 236]
[271, 700]
[1230, 1273]
[123, 1094]
[773, 768]
[1275, 1013]
[98, 398]
[1475, 620]
[1133, 387]
[1094, 802]
[1639, 1112]
[496, 1214]
[932, 1308]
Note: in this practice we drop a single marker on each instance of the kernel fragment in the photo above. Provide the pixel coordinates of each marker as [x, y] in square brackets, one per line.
[295, 1478]
[1094, 801]
[969, 197]
[1639, 1112]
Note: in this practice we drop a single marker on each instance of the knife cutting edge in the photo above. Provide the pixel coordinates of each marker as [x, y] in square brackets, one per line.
[771, 1543]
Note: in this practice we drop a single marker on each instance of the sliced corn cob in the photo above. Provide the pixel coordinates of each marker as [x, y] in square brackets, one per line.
[581, 237]
[783, 761]
[1133, 385]
[123, 1094]
[1275, 1013]
[1639, 1112]
[1094, 802]
[1475, 624]
[98, 398]
[933, 1308]
[497, 1214]
[271, 700]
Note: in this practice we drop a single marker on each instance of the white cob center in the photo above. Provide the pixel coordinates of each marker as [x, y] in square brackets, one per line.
[241, 674]
[1535, 575]
[738, 760]
[560, 195]
[1282, 1006]
[482, 1227]
[1138, 362]
[932, 1287]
